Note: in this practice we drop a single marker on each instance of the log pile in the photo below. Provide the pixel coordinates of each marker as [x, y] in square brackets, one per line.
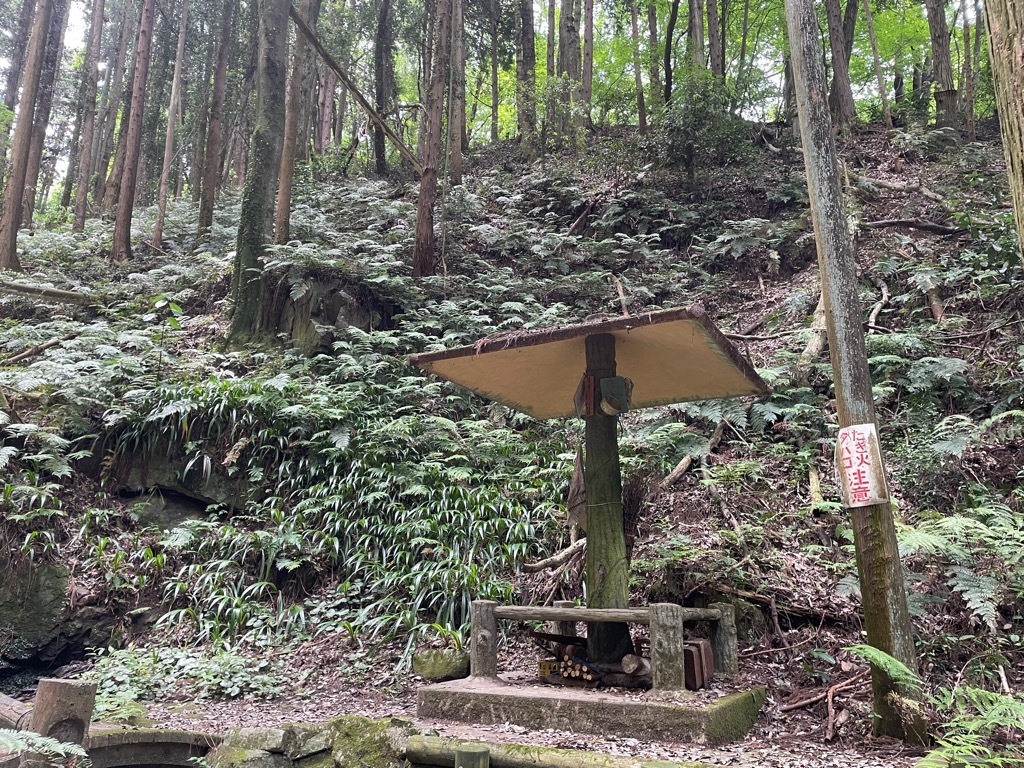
[574, 667]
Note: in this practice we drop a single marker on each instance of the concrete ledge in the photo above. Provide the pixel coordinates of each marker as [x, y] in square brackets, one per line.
[112, 747]
[488, 700]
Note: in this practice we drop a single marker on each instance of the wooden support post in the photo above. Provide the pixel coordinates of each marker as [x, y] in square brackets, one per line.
[607, 562]
[724, 640]
[667, 660]
[472, 756]
[483, 644]
[567, 628]
[62, 711]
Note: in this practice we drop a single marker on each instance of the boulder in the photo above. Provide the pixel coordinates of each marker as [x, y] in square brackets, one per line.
[439, 665]
[33, 599]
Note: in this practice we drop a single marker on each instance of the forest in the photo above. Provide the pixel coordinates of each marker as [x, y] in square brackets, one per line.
[230, 497]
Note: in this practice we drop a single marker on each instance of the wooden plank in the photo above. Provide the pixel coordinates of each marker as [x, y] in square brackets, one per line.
[629, 615]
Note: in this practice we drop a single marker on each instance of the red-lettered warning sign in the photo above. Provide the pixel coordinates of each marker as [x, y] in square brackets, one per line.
[859, 466]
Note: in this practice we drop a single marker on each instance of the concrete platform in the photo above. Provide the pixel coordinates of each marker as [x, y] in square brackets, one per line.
[684, 717]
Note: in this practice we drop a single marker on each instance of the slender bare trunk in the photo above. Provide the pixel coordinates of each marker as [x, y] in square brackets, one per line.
[695, 38]
[215, 136]
[122, 249]
[90, 76]
[587, 87]
[654, 56]
[879, 75]
[716, 42]
[172, 118]
[495, 96]
[641, 109]
[526, 76]
[457, 94]
[670, 34]
[942, 65]
[843, 109]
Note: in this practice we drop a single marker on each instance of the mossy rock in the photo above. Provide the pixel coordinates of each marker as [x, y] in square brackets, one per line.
[439, 665]
[308, 741]
[226, 756]
[263, 739]
[359, 742]
[33, 599]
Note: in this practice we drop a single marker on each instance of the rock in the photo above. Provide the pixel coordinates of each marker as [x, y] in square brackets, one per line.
[226, 756]
[306, 740]
[359, 742]
[33, 599]
[439, 665]
[166, 511]
[265, 739]
[164, 469]
[750, 623]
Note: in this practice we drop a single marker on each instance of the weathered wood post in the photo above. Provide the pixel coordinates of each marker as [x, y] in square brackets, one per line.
[668, 664]
[483, 642]
[724, 639]
[62, 711]
[565, 628]
[472, 756]
[607, 564]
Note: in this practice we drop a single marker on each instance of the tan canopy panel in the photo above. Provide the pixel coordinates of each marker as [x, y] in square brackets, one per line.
[671, 356]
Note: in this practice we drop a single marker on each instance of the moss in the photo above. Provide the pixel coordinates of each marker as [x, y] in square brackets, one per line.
[731, 717]
[238, 757]
[360, 741]
[438, 665]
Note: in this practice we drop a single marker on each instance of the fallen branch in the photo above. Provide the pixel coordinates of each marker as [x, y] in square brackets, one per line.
[577, 225]
[795, 610]
[935, 305]
[557, 559]
[815, 345]
[684, 466]
[880, 304]
[897, 187]
[922, 224]
[38, 349]
[39, 291]
[860, 677]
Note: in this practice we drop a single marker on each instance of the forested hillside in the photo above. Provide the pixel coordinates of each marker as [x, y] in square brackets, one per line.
[224, 232]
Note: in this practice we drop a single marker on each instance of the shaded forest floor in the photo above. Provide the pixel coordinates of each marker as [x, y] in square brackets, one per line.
[323, 488]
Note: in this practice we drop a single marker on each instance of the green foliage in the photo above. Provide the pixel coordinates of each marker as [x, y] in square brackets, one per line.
[23, 742]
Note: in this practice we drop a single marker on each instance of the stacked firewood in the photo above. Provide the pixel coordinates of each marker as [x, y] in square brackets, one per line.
[574, 667]
[572, 662]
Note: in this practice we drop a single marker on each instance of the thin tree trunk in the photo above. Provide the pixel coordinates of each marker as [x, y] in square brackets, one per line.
[495, 96]
[293, 97]
[457, 93]
[670, 33]
[942, 65]
[122, 248]
[90, 76]
[741, 65]
[1005, 21]
[879, 75]
[551, 41]
[112, 190]
[114, 86]
[883, 594]
[716, 42]
[215, 136]
[654, 56]
[526, 76]
[172, 117]
[641, 109]
[695, 37]
[18, 49]
[383, 53]
[325, 109]
[423, 263]
[10, 208]
[587, 88]
[44, 106]
[74, 148]
[967, 76]
[841, 96]
[247, 283]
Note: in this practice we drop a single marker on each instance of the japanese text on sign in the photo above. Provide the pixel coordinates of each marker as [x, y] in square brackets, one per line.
[859, 466]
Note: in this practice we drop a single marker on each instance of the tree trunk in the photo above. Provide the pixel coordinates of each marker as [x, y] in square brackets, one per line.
[716, 42]
[641, 109]
[215, 136]
[942, 65]
[879, 75]
[90, 76]
[113, 86]
[44, 106]
[551, 40]
[326, 87]
[841, 95]
[457, 93]
[423, 251]
[607, 570]
[122, 249]
[383, 76]
[570, 71]
[587, 86]
[247, 283]
[10, 208]
[884, 598]
[1005, 21]
[19, 46]
[495, 41]
[526, 76]
[741, 65]
[654, 56]
[967, 76]
[670, 33]
[112, 189]
[172, 117]
[695, 36]
[293, 98]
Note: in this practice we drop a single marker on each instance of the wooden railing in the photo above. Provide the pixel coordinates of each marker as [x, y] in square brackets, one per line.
[665, 619]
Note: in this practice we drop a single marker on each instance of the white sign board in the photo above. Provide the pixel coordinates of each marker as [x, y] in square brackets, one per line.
[859, 466]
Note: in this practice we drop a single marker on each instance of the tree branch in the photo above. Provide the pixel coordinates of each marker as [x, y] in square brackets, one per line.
[39, 291]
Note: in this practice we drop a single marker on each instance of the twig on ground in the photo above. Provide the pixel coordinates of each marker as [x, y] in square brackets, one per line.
[860, 677]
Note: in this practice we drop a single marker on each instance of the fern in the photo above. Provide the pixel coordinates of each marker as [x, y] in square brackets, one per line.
[896, 670]
[981, 593]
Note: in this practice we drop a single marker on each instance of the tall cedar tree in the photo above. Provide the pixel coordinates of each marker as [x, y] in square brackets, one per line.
[423, 257]
[457, 93]
[942, 65]
[883, 594]
[526, 75]
[1005, 20]
[172, 119]
[292, 119]
[843, 110]
[111, 106]
[247, 284]
[10, 209]
[215, 136]
[122, 250]
[90, 76]
[383, 76]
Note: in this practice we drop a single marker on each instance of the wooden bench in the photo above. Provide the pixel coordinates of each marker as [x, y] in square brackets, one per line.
[665, 620]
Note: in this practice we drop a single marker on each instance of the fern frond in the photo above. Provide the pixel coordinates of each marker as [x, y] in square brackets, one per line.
[981, 593]
[897, 671]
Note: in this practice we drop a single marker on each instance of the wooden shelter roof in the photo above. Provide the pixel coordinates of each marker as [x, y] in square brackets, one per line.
[671, 355]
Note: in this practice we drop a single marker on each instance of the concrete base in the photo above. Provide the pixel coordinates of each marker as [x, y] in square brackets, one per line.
[680, 718]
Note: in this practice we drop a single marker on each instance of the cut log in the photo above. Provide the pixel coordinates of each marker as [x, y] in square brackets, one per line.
[14, 715]
[636, 665]
[44, 292]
